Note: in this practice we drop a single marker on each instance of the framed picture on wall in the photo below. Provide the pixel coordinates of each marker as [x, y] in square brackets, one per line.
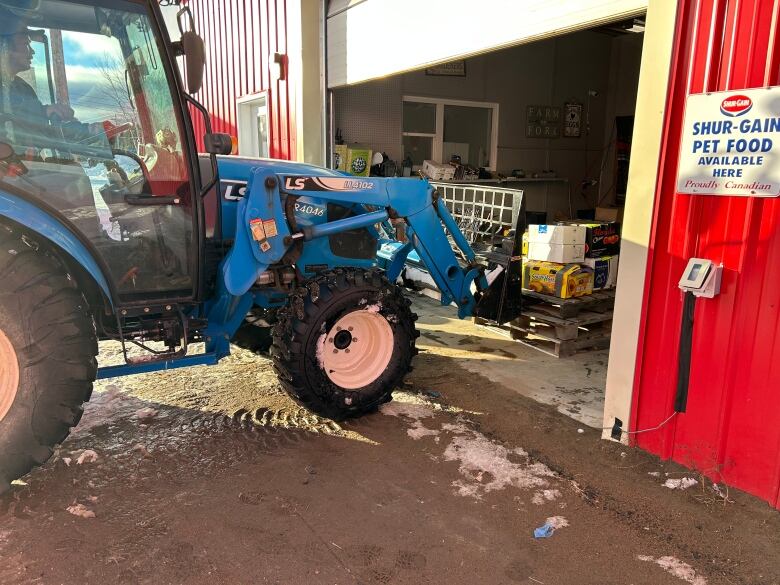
[572, 120]
[451, 69]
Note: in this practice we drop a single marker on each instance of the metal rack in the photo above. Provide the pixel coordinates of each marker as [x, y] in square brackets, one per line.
[481, 211]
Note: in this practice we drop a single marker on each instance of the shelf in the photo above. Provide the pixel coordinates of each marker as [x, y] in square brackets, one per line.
[507, 180]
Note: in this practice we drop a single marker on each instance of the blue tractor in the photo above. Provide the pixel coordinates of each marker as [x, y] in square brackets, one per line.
[113, 227]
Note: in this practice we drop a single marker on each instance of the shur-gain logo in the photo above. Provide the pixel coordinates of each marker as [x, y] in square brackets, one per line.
[736, 105]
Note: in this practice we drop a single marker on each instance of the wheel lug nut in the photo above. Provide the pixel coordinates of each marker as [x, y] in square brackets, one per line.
[346, 350]
[350, 328]
[354, 339]
[338, 328]
[335, 351]
[330, 340]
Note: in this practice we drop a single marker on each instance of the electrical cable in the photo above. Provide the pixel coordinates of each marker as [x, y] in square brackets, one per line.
[655, 428]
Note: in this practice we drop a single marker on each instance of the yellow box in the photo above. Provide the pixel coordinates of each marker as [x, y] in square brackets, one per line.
[561, 280]
[358, 160]
[340, 157]
[525, 243]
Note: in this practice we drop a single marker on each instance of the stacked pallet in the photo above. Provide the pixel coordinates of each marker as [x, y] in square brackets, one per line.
[563, 327]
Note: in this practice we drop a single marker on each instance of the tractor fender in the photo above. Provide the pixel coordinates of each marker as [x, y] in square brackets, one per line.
[47, 226]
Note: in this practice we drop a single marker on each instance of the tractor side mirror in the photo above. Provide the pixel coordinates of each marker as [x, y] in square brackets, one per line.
[193, 48]
[218, 143]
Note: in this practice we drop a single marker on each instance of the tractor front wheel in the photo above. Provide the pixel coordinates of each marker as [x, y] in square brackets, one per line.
[47, 355]
[344, 343]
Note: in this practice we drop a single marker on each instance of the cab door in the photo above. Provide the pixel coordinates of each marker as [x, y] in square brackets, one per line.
[97, 128]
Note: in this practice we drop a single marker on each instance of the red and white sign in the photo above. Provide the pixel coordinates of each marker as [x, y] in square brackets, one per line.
[730, 144]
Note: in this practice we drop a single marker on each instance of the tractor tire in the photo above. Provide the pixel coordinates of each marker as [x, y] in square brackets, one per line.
[47, 355]
[344, 343]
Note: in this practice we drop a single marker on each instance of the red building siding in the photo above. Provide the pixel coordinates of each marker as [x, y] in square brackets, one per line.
[731, 429]
[240, 37]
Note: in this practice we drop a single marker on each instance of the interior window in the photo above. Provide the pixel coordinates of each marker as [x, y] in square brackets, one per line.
[86, 106]
[441, 131]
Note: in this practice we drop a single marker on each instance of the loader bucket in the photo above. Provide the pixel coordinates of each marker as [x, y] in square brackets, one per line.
[501, 302]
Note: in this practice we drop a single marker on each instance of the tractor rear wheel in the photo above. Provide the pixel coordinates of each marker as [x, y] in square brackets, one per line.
[344, 343]
[47, 355]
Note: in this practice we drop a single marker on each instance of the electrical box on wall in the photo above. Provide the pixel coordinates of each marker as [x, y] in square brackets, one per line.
[701, 277]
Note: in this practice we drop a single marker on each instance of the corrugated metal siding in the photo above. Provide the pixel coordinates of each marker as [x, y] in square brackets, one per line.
[731, 430]
[240, 36]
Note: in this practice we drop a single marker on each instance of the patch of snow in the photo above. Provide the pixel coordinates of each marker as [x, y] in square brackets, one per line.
[66, 461]
[416, 412]
[557, 522]
[87, 456]
[479, 455]
[321, 348]
[680, 484]
[407, 409]
[375, 308]
[419, 430]
[485, 465]
[545, 496]
[81, 511]
[677, 568]
[654, 473]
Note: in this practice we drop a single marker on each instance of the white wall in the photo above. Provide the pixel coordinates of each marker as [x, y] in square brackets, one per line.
[549, 72]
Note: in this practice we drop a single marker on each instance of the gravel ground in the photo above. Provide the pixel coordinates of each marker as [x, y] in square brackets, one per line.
[212, 475]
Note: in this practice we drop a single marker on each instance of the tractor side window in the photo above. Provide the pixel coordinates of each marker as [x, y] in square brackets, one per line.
[87, 109]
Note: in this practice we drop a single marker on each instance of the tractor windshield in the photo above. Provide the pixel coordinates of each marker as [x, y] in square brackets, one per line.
[89, 126]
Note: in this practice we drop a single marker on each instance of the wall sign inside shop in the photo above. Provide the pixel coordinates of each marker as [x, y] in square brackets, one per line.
[572, 120]
[730, 144]
[543, 122]
[451, 69]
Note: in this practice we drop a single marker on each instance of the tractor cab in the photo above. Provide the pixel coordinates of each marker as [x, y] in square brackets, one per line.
[94, 130]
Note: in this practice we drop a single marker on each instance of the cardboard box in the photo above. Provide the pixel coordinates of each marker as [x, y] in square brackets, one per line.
[609, 214]
[601, 238]
[438, 171]
[358, 160]
[340, 157]
[556, 234]
[561, 253]
[561, 280]
[604, 271]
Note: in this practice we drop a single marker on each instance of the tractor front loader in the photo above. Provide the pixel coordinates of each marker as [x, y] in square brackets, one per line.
[116, 228]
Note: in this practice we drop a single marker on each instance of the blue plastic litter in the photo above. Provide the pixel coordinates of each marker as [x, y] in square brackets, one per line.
[545, 531]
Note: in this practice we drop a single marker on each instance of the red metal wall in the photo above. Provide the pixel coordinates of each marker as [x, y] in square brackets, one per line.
[731, 429]
[240, 36]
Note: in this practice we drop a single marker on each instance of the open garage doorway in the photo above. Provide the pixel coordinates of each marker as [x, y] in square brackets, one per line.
[549, 123]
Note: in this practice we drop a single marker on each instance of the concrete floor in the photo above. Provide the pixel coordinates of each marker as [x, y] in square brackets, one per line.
[574, 385]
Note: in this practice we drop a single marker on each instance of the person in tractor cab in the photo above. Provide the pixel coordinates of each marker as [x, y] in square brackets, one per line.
[19, 99]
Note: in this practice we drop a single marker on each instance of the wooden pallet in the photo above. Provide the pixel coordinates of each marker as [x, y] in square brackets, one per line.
[551, 327]
[563, 327]
[568, 347]
[598, 302]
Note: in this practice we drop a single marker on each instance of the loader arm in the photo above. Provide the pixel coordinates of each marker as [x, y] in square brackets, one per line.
[266, 230]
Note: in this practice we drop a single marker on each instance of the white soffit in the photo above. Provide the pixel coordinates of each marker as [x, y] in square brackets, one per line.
[368, 39]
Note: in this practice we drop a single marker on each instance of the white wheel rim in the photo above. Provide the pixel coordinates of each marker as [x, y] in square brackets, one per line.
[9, 375]
[357, 349]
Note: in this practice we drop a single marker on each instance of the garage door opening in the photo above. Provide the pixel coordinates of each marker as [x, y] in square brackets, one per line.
[548, 123]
